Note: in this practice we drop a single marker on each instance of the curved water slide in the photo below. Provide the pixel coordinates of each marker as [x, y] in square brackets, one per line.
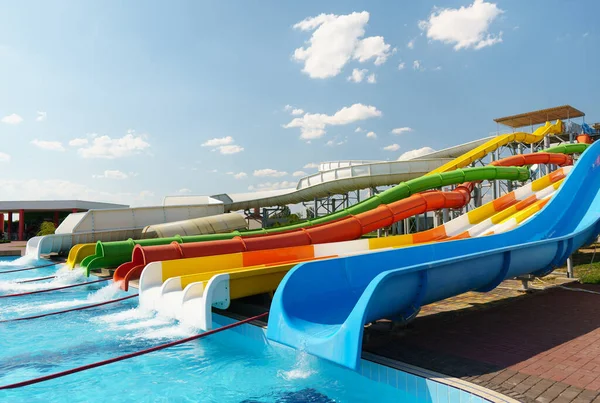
[114, 253]
[187, 288]
[377, 216]
[326, 317]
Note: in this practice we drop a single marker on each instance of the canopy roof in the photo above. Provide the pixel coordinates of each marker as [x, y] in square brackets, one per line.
[55, 205]
[541, 116]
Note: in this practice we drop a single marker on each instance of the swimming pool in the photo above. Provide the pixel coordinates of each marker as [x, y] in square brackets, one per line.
[237, 365]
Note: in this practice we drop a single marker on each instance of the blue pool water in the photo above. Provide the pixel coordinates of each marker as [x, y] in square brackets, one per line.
[225, 367]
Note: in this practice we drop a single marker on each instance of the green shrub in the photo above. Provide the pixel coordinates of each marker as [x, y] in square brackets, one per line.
[47, 228]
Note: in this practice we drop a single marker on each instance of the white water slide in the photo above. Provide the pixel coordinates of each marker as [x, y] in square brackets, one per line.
[332, 178]
[336, 178]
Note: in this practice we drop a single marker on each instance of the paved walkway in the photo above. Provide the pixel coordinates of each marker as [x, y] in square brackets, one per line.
[14, 248]
[542, 346]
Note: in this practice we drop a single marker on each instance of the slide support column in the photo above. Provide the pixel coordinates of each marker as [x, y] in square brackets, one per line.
[570, 272]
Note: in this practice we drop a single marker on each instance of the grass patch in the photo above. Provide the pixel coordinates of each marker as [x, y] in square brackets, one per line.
[588, 273]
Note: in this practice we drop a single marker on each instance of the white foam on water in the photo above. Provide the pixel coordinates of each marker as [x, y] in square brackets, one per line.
[22, 261]
[302, 368]
[176, 331]
[64, 276]
[124, 316]
[105, 293]
[144, 324]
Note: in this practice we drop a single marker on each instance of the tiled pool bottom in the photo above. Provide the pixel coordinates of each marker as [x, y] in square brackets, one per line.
[414, 385]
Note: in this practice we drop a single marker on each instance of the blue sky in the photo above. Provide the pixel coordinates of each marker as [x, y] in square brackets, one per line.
[132, 101]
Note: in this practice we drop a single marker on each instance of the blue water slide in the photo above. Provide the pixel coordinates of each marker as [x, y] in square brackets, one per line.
[322, 306]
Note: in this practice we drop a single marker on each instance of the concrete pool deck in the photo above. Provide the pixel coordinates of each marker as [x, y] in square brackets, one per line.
[14, 248]
[537, 346]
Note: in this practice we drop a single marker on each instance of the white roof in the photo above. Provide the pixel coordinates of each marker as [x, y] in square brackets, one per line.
[54, 205]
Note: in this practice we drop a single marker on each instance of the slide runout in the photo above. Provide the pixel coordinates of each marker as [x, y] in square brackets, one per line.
[155, 273]
[360, 207]
[78, 253]
[327, 318]
[347, 229]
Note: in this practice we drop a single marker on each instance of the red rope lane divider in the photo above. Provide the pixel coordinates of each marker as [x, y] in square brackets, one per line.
[35, 279]
[54, 289]
[30, 268]
[79, 308]
[130, 355]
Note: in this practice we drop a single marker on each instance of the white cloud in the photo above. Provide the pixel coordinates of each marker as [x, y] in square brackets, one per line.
[57, 189]
[392, 147]
[288, 108]
[438, 68]
[297, 111]
[269, 172]
[12, 119]
[48, 145]
[4, 157]
[357, 75]
[372, 47]
[299, 173]
[415, 153]
[329, 143]
[78, 142]
[184, 191]
[230, 149]
[272, 186]
[41, 116]
[312, 125]
[113, 174]
[109, 148]
[240, 175]
[401, 66]
[401, 130]
[358, 130]
[417, 65]
[411, 44]
[371, 135]
[218, 142]
[224, 144]
[311, 165]
[371, 79]
[335, 40]
[465, 27]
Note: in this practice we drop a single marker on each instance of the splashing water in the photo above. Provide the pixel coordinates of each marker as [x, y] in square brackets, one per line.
[26, 260]
[105, 293]
[302, 367]
[64, 276]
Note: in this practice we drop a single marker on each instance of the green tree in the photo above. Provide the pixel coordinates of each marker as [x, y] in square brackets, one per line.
[47, 228]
